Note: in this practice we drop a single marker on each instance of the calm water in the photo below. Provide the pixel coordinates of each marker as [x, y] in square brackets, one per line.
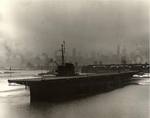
[132, 101]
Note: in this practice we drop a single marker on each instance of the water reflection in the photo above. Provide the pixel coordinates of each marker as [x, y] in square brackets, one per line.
[128, 102]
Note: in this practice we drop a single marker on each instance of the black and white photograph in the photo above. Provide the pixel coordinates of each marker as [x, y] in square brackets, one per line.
[74, 59]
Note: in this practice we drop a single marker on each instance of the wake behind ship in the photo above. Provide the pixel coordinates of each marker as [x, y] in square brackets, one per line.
[67, 84]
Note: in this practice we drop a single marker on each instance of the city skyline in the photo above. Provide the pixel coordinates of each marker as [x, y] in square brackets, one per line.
[30, 28]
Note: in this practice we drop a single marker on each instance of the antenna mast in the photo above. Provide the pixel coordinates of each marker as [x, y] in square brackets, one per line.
[63, 52]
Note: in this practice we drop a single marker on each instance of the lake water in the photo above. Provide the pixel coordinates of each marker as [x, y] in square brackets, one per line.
[132, 101]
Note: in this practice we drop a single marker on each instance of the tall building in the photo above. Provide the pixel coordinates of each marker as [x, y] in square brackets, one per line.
[124, 56]
[118, 53]
[74, 52]
[118, 50]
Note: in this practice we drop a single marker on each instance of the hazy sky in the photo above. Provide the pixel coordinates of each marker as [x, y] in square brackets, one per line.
[36, 26]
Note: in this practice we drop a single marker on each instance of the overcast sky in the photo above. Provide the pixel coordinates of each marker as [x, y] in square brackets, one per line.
[36, 26]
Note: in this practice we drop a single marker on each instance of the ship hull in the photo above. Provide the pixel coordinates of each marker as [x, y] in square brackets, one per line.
[64, 89]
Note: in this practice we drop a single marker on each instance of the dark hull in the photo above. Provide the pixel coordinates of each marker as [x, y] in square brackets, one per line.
[64, 89]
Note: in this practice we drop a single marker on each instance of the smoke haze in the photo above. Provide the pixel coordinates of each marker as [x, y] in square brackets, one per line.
[31, 27]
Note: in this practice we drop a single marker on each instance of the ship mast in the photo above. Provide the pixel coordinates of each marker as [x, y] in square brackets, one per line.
[63, 52]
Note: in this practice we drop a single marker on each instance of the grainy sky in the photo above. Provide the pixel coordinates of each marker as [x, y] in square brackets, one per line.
[36, 26]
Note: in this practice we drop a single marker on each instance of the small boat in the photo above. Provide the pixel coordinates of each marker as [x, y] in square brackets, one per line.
[143, 75]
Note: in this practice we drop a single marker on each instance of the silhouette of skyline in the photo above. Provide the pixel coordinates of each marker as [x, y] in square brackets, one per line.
[31, 28]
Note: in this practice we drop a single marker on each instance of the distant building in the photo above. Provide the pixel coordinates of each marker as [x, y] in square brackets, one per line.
[118, 54]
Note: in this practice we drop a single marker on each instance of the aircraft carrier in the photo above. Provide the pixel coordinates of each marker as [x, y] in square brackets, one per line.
[67, 84]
